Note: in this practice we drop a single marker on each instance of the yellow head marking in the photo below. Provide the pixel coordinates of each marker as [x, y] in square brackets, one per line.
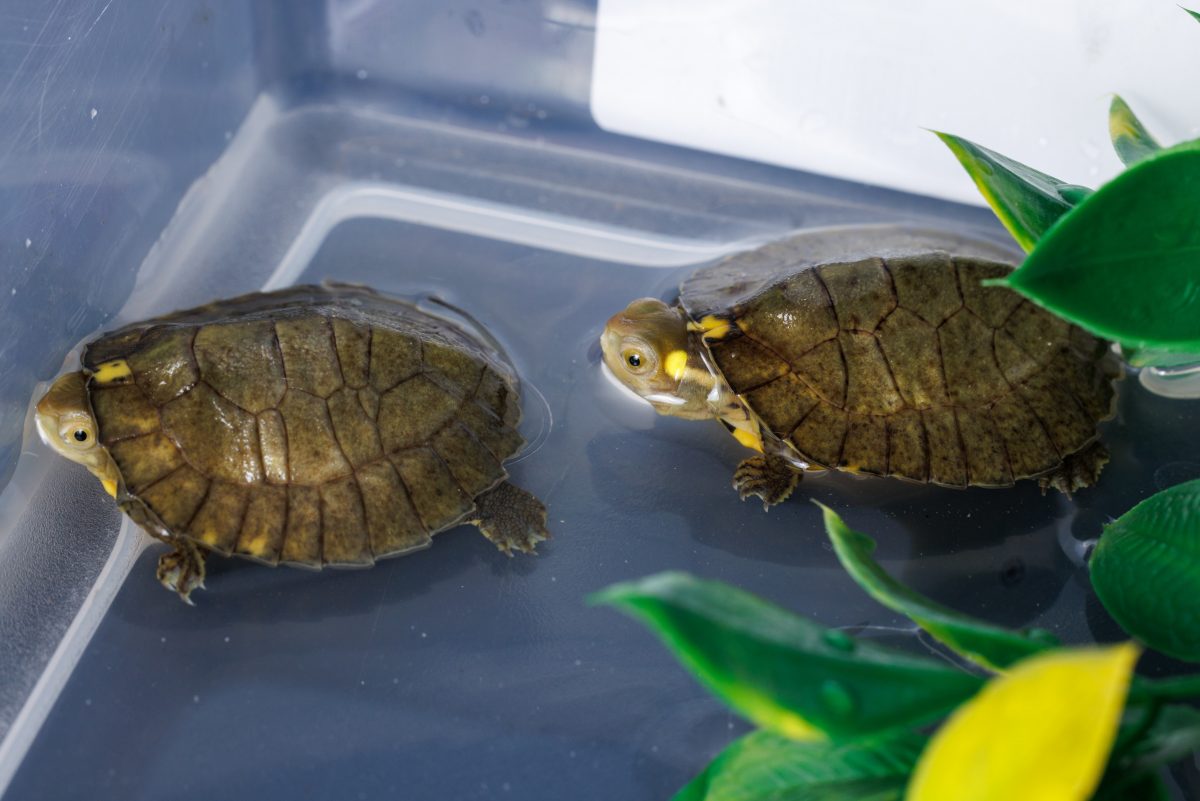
[110, 486]
[675, 363]
[109, 372]
[748, 438]
[712, 327]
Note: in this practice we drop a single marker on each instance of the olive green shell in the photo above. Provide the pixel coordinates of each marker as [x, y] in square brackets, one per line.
[315, 425]
[904, 366]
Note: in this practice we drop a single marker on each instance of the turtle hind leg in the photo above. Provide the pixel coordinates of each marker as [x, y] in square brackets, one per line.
[1078, 470]
[769, 477]
[511, 518]
[182, 570]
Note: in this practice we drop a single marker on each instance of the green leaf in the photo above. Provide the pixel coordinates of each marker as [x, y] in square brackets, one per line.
[1132, 773]
[1146, 571]
[1130, 138]
[782, 671]
[1195, 14]
[1176, 688]
[1140, 787]
[994, 648]
[1028, 202]
[763, 766]
[1174, 735]
[1125, 263]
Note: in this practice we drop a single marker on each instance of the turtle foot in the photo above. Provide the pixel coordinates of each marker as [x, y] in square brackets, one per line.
[511, 518]
[769, 477]
[1079, 470]
[182, 570]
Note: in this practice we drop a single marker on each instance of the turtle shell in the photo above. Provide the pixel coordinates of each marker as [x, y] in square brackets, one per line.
[315, 425]
[903, 365]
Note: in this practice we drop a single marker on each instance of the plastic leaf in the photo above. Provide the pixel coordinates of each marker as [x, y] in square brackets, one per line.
[766, 767]
[1146, 570]
[1142, 787]
[1130, 138]
[1125, 263]
[1027, 202]
[782, 671]
[1042, 732]
[1149, 357]
[1174, 735]
[994, 648]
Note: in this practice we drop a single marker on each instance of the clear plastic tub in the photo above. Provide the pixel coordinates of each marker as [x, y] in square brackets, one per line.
[458, 673]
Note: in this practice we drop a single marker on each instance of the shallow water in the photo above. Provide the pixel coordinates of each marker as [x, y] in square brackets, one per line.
[459, 673]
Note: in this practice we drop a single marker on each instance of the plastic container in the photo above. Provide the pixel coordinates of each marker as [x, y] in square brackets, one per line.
[429, 149]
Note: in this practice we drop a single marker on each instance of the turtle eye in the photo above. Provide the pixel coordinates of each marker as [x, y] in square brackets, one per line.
[77, 435]
[636, 360]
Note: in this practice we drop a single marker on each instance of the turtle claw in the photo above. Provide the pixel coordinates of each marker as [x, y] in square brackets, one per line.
[511, 518]
[182, 571]
[1078, 470]
[769, 477]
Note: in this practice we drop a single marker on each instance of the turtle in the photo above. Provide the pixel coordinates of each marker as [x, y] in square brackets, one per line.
[311, 426]
[878, 352]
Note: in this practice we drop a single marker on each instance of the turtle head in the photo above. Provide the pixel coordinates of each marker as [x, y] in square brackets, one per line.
[648, 348]
[66, 423]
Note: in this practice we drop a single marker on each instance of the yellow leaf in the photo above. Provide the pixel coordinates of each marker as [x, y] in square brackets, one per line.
[1042, 732]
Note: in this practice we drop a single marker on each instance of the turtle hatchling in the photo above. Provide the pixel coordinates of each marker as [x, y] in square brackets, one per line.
[313, 426]
[855, 352]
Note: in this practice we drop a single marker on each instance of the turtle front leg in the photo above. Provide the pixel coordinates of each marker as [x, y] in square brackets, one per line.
[769, 477]
[182, 570]
[1079, 470]
[511, 518]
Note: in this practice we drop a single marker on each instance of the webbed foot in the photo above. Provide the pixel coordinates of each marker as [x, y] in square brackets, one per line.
[1079, 470]
[511, 518]
[182, 570]
[769, 477]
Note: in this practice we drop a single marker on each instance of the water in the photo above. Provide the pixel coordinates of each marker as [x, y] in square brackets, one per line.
[456, 672]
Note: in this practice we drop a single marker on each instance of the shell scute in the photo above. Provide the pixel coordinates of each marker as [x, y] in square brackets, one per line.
[344, 537]
[241, 362]
[392, 521]
[972, 375]
[824, 369]
[866, 446]
[302, 531]
[862, 296]
[310, 360]
[164, 366]
[413, 411]
[987, 460]
[356, 432]
[216, 436]
[262, 529]
[145, 459]
[175, 497]
[911, 348]
[353, 344]
[438, 498]
[314, 455]
[473, 466]
[947, 454]
[926, 286]
[218, 522]
[820, 435]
